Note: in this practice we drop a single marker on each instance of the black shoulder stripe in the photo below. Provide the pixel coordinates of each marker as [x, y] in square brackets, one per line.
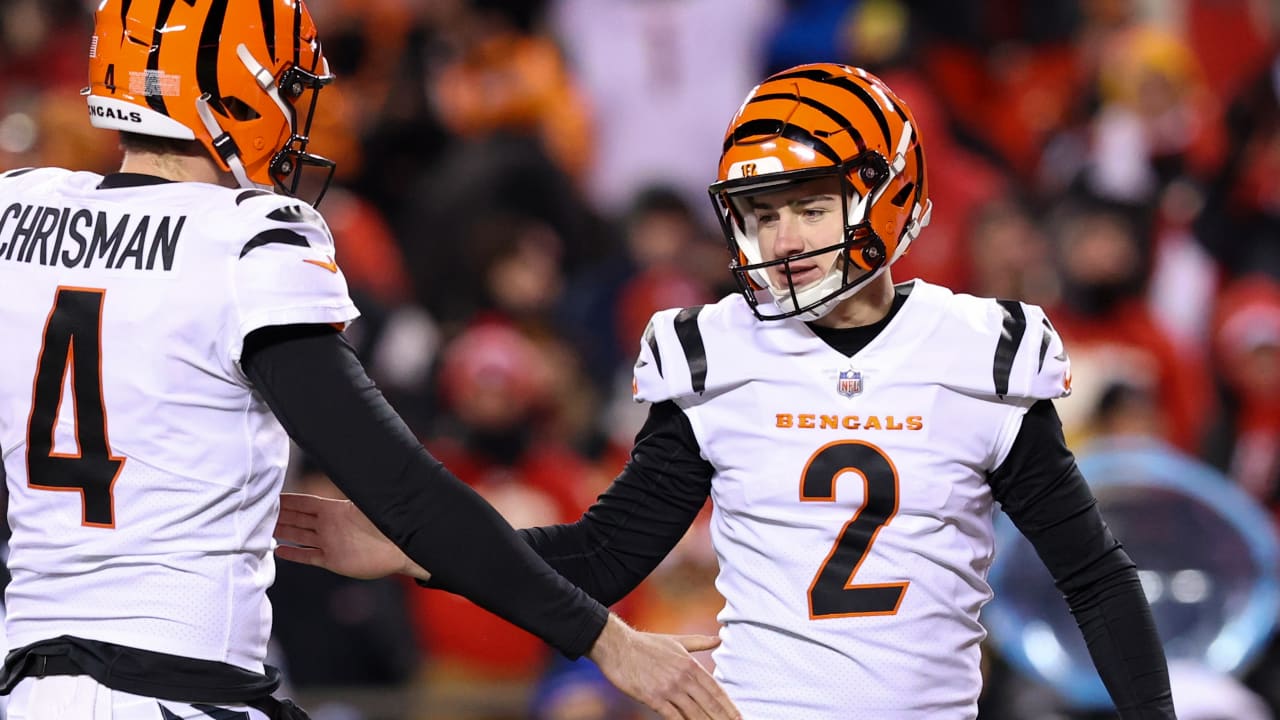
[247, 194]
[1044, 341]
[651, 339]
[295, 214]
[695, 353]
[274, 235]
[1015, 326]
[16, 173]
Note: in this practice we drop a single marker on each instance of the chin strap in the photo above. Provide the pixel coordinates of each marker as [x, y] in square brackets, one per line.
[223, 143]
[264, 78]
[920, 217]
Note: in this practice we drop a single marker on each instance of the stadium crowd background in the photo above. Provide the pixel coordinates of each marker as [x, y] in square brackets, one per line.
[521, 183]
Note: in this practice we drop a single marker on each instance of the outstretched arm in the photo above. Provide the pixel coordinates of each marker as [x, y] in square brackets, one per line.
[1043, 492]
[315, 385]
[607, 552]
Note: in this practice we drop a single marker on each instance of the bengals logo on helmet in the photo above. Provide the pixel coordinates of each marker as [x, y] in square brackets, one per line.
[227, 73]
[814, 121]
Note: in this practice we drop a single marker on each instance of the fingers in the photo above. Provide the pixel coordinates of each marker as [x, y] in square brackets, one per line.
[296, 535]
[689, 709]
[698, 643]
[304, 556]
[708, 695]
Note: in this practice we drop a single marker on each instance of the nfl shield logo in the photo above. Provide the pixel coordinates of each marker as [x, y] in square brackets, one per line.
[849, 383]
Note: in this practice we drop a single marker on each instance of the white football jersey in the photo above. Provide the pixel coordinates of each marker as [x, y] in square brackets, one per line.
[852, 517]
[143, 471]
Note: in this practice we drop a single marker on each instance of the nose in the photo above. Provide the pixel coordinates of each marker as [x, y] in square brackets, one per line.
[789, 239]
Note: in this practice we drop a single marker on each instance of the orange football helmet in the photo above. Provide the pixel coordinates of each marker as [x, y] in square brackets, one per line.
[816, 121]
[228, 73]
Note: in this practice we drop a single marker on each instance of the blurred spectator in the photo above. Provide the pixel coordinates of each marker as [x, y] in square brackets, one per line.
[577, 690]
[657, 90]
[1109, 331]
[659, 264]
[478, 199]
[1245, 440]
[960, 180]
[504, 77]
[1241, 223]
[495, 386]
[1156, 120]
[1231, 39]
[1009, 73]
[1011, 255]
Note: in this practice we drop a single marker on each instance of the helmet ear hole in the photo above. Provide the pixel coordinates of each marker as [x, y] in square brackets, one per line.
[239, 110]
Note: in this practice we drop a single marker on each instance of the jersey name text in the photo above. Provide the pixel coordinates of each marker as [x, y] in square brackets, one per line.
[821, 421]
[78, 238]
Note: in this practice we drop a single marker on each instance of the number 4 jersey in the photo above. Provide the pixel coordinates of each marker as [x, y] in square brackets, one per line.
[142, 470]
[852, 518]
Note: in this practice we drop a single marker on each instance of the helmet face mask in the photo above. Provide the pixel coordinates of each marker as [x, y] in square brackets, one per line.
[231, 74]
[802, 125]
[289, 164]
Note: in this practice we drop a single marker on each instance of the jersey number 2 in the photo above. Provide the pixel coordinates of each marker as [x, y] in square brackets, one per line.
[832, 593]
[72, 346]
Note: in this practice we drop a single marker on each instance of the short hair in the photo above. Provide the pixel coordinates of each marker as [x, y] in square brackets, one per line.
[137, 142]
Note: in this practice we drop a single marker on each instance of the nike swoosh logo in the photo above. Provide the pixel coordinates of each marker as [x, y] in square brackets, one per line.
[327, 264]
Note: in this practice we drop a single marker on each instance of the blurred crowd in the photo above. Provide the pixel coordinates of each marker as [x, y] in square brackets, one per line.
[521, 183]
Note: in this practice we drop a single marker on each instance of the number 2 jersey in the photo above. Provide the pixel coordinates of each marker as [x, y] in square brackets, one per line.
[143, 472]
[852, 514]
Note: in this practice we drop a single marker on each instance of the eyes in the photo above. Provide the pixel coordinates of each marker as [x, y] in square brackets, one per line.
[810, 213]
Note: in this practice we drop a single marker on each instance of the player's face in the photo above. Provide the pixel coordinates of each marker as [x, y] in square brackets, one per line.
[795, 220]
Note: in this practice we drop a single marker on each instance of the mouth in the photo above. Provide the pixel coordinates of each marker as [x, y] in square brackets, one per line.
[797, 275]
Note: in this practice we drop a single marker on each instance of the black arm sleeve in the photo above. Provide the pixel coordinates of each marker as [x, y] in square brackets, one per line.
[1043, 492]
[314, 383]
[644, 513]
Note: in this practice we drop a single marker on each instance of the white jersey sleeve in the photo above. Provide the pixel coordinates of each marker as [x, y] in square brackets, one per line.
[1029, 360]
[286, 273]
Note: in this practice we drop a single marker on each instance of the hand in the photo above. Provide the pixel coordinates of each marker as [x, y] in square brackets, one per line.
[336, 536]
[658, 671]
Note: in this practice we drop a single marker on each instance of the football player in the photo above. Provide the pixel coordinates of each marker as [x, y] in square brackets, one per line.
[852, 433]
[167, 329]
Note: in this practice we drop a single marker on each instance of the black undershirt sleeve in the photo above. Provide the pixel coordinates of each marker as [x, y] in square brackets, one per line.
[644, 513]
[315, 385]
[1039, 486]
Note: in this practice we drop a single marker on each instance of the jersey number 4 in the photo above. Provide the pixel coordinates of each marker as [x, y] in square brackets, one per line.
[832, 593]
[72, 346]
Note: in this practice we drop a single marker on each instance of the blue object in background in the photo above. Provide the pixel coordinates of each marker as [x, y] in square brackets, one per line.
[1207, 554]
